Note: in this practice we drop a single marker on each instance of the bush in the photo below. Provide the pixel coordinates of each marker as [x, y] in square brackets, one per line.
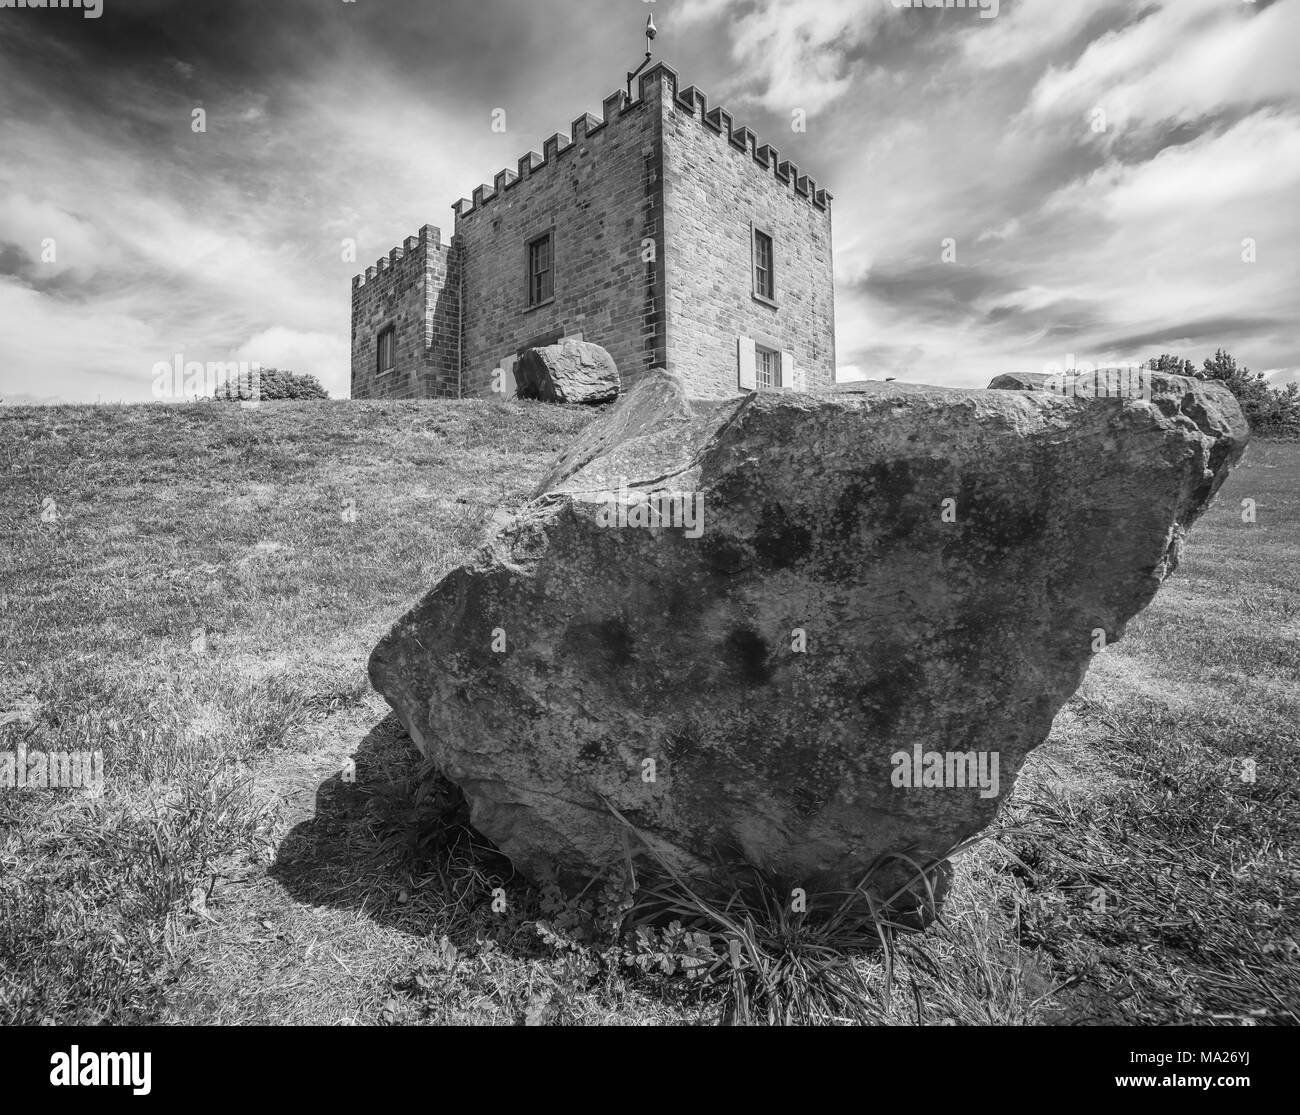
[272, 383]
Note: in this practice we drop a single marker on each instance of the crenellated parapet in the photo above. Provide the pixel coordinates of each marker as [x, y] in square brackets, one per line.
[410, 255]
[553, 150]
[718, 120]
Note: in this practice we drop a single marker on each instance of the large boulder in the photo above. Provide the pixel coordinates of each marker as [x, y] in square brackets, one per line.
[570, 372]
[854, 602]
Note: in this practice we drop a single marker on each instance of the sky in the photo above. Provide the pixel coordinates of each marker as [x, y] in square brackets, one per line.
[1027, 184]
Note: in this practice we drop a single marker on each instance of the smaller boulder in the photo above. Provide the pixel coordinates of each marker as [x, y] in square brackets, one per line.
[570, 372]
[1020, 381]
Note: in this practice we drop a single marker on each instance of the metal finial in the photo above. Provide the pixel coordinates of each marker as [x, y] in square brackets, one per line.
[650, 32]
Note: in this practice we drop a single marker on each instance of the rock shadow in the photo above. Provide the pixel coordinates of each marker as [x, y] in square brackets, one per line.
[391, 838]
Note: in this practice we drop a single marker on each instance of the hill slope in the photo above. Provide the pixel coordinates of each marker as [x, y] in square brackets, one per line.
[199, 602]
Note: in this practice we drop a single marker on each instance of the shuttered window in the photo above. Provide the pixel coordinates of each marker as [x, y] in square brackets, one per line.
[764, 368]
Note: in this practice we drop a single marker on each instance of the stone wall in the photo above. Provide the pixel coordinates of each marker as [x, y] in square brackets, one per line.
[719, 180]
[414, 289]
[600, 195]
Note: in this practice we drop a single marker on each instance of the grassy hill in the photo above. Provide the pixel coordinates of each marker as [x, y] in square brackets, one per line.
[198, 602]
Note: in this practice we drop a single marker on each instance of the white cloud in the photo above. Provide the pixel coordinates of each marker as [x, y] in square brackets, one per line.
[1031, 29]
[1280, 377]
[79, 250]
[1183, 61]
[51, 348]
[1004, 231]
[1214, 175]
[1028, 298]
[798, 51]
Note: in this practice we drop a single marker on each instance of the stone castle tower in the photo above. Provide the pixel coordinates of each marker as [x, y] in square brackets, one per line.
[661, 232]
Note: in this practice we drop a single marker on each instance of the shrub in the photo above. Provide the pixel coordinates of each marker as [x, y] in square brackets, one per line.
[272, 383]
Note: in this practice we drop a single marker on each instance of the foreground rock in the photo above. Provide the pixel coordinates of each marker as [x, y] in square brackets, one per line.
[571, 372]
[852, 583]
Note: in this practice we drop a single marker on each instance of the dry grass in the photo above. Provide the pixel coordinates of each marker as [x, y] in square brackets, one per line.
[233, 873]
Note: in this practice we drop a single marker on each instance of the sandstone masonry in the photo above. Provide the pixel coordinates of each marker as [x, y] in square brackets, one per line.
[652, 220]
[414, 292]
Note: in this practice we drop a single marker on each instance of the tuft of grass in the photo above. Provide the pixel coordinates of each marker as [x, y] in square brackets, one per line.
[782, 955]
[772, 964]
[95, 890]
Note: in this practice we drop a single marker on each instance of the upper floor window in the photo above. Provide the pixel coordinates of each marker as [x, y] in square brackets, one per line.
[764, 266]
[385, 349]
[541, 270]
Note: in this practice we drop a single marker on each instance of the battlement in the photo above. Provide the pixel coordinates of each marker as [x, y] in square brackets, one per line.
[616, 105]
[402, 258]
[530, 163]
[719, 121]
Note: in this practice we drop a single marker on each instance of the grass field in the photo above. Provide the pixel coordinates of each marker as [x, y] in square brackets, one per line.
[198, 602]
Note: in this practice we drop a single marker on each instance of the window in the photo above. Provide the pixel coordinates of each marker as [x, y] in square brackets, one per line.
[764, 271]
[541, 271]
[385, 348]
[762, 366]
[767, 367]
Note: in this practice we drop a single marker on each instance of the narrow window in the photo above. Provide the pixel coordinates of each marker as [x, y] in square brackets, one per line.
[764, 284]
[385, 348]
[767, 366]
[541, 270]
